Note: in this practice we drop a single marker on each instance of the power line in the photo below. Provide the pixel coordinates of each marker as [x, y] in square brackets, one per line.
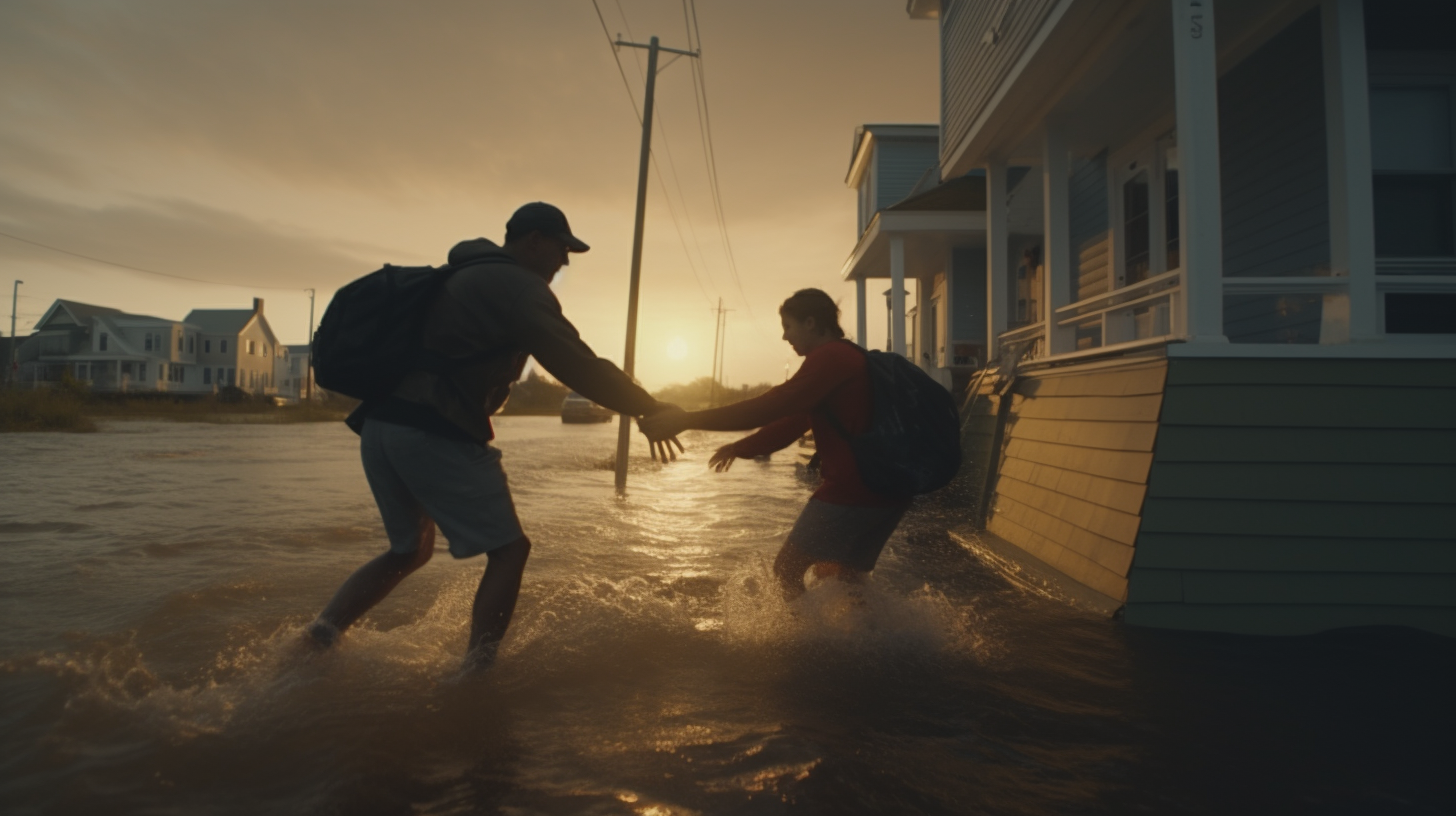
[631, 97]
[701, 87]
[138, 268]
[661, 123]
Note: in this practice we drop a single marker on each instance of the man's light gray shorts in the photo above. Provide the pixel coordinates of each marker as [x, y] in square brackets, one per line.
[460, 485]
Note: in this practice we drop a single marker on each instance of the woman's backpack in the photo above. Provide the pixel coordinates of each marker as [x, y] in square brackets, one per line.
[913, 444]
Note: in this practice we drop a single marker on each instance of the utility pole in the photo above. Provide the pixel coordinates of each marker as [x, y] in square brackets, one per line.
[629, 358]
[308, 370]
[720, 332]
[10, 370]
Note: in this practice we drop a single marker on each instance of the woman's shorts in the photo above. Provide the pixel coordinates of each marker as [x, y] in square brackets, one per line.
[844, 534]
[461, 485]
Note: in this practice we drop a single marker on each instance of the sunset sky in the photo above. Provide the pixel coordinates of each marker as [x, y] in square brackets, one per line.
[276, 146]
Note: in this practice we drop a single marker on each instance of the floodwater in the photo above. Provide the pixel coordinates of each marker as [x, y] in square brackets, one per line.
[154, 578]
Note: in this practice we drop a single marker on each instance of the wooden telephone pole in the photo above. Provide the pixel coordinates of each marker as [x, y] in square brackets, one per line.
[629, 358]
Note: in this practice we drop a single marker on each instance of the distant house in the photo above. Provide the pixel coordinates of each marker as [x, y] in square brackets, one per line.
[295, 375]
[112, 350]
[1220, 238]
[238, 348]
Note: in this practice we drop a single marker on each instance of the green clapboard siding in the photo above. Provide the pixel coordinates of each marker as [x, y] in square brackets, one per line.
[1216, 587]
[1290, 496]
[1408, 373]
[1288, 619]
[1195, 551]
[1323, 519]
[1305, 482]
[1306, 445]
[1305, 406]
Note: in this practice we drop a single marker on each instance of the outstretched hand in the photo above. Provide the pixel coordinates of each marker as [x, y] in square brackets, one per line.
[722, 458]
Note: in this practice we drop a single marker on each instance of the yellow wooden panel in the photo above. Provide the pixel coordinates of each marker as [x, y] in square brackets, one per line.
[1137, 436]
[1060, 527]
[1069, 563]
[1144, 377]
[1136, 408]
[1126, 466]
[1124, 496]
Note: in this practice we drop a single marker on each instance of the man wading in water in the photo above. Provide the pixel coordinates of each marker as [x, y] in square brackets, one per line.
[426, 447]
[845, 525]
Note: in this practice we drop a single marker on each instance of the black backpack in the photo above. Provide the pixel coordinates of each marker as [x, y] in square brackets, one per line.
[369, 337]
[913, 444]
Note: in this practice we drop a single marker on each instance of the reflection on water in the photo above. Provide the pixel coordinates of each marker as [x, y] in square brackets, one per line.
[153, 579]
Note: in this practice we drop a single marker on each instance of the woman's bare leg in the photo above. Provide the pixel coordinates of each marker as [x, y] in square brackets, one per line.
[789, 567]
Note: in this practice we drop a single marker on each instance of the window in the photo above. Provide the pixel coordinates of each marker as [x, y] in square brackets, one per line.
[1420, 313]
[147, 342]
[206, 346]
[82, 372]
[142, 372]
[1136, 232]
[232, 376]
[191, 344]
[1145, 207]
[1410, 141]
[252, 348]
[1170, 212]
[179, 342]
[223, 346]
[207, 376]
[103, 340]
[162, 371]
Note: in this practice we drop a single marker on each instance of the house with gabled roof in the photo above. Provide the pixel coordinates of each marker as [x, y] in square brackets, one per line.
[238, 348]
[111, 350]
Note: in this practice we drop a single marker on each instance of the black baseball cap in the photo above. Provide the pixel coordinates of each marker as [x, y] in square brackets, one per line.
[538, 216]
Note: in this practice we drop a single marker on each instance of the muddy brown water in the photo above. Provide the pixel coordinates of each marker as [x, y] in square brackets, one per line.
[154, 576]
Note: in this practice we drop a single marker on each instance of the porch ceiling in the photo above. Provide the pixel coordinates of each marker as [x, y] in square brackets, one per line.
[1105, 75]
[928, 235]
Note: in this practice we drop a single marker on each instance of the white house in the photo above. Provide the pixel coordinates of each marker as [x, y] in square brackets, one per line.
[1220, 238]
[111, 350]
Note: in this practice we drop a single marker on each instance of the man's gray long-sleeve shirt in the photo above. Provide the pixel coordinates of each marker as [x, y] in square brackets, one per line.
[495, 314]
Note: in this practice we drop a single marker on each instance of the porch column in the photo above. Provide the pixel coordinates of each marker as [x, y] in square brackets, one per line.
[997, 261]
[861, 324]
[1057, 240]
[1195, 84]
[1352, 206]
[897, 295]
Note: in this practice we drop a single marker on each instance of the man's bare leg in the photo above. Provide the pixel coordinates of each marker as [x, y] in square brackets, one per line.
[369, 585]
[495, 602]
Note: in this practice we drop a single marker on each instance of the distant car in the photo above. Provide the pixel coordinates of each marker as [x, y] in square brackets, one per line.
[576, 408]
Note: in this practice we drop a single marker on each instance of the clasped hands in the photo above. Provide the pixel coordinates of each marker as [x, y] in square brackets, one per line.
[661, 428]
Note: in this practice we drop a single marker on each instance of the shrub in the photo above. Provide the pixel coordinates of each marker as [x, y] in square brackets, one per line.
[46, 409]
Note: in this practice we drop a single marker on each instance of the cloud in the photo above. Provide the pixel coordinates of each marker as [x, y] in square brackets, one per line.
[178, 238]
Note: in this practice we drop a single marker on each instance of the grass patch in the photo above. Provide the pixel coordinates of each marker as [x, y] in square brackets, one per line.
[43, 410]
[72, 407]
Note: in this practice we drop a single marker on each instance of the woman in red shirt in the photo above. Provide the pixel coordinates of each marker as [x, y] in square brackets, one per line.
[844, 526]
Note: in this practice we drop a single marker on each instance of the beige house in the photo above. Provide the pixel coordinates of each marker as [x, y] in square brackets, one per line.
[238, 348]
